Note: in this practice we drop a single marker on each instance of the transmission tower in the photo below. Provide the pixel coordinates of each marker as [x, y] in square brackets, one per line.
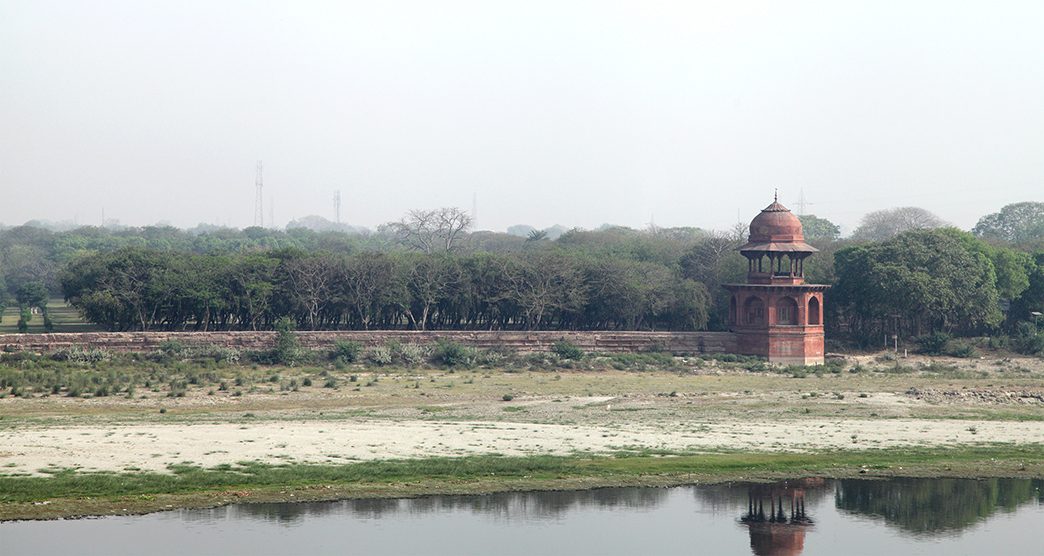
[259, 211]
[337, 206]
[802, 204]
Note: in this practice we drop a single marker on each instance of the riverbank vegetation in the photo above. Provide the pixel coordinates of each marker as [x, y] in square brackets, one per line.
[634, 419]
[899, 274]
[175, 370]
[67, 493]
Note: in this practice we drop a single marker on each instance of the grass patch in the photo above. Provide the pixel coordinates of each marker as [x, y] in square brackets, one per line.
[71, 489]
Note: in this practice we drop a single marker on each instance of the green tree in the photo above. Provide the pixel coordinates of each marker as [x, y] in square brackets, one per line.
[120, 290]
[714, 261]
[1030, 300]
[1015, 223]
[819, 229]
[916, 283]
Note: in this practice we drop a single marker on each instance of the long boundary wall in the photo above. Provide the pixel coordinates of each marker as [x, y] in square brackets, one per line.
[605, 342]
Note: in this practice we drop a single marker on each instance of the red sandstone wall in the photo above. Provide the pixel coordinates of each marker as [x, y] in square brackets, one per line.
[606, 342]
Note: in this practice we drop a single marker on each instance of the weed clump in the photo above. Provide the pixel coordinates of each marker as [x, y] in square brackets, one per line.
[452, 354]
[381, 355]
[567, 350]
[346, 351]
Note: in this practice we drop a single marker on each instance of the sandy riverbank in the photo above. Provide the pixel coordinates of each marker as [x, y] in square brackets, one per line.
[154, 447]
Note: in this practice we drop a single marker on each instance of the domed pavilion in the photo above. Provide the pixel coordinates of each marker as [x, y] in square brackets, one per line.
[776, 314]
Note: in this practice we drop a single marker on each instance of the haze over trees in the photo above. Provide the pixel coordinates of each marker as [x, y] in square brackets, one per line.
[430, 271]
[1019, 223]
[527, 231]
[886, 224]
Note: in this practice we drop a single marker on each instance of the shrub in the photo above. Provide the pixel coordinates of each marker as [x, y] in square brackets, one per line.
[347, 351]
[492, 357]
[453, 354]
[935, 343]
[381, 355]
[998, 342]
[756, 366]
[641, 361]
[287, 351]
[961, 349]
[567, 350]
[1028, 340]
[219, 354]
[172, 348]
[834, 366]
[507, 397]
[81, 355]
[413, 354]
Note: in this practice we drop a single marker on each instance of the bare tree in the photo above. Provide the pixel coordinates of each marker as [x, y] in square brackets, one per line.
[885, 224]
[430, 280]
[311, 278]
[543, 284]
[433, 231]
[368, 281]
[708, 260]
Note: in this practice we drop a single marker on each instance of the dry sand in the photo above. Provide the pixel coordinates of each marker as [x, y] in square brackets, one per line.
[153, 447]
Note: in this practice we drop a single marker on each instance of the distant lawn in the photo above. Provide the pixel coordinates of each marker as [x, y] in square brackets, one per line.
[65, 319]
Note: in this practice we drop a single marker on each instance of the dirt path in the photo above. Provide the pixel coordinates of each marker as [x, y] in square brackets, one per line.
[153, 447]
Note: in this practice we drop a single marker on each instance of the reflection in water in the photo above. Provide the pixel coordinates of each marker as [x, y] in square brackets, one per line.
[923, 515]
[730, 497]
[774, 533]
[777, 518]
[525, 505]
[776, 515]
[924, 506]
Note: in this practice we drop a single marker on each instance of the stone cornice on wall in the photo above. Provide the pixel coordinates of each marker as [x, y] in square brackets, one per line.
[520, 341]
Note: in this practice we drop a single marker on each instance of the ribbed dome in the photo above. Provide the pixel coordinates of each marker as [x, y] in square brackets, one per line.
[775, 224]
[776, 229]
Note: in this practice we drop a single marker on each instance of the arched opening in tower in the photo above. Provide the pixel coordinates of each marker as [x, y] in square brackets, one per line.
[786, 311]
[814, 311]
[754, 311]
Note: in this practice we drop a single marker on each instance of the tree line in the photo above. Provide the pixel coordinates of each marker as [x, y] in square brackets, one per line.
[902, 271]
[142, 289]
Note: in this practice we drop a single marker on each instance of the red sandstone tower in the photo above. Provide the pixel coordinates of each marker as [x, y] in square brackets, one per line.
[776, 314]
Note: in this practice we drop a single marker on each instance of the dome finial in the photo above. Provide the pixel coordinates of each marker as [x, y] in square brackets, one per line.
[775, 196]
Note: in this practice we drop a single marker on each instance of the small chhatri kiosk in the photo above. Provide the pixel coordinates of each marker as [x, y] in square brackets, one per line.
[776, 314]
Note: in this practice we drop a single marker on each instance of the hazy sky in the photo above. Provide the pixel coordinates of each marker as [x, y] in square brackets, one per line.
[566, 112]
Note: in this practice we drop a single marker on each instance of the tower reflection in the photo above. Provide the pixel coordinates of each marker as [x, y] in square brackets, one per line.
[776, 518]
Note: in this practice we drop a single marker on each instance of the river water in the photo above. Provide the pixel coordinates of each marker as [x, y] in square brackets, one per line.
[807, 516]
